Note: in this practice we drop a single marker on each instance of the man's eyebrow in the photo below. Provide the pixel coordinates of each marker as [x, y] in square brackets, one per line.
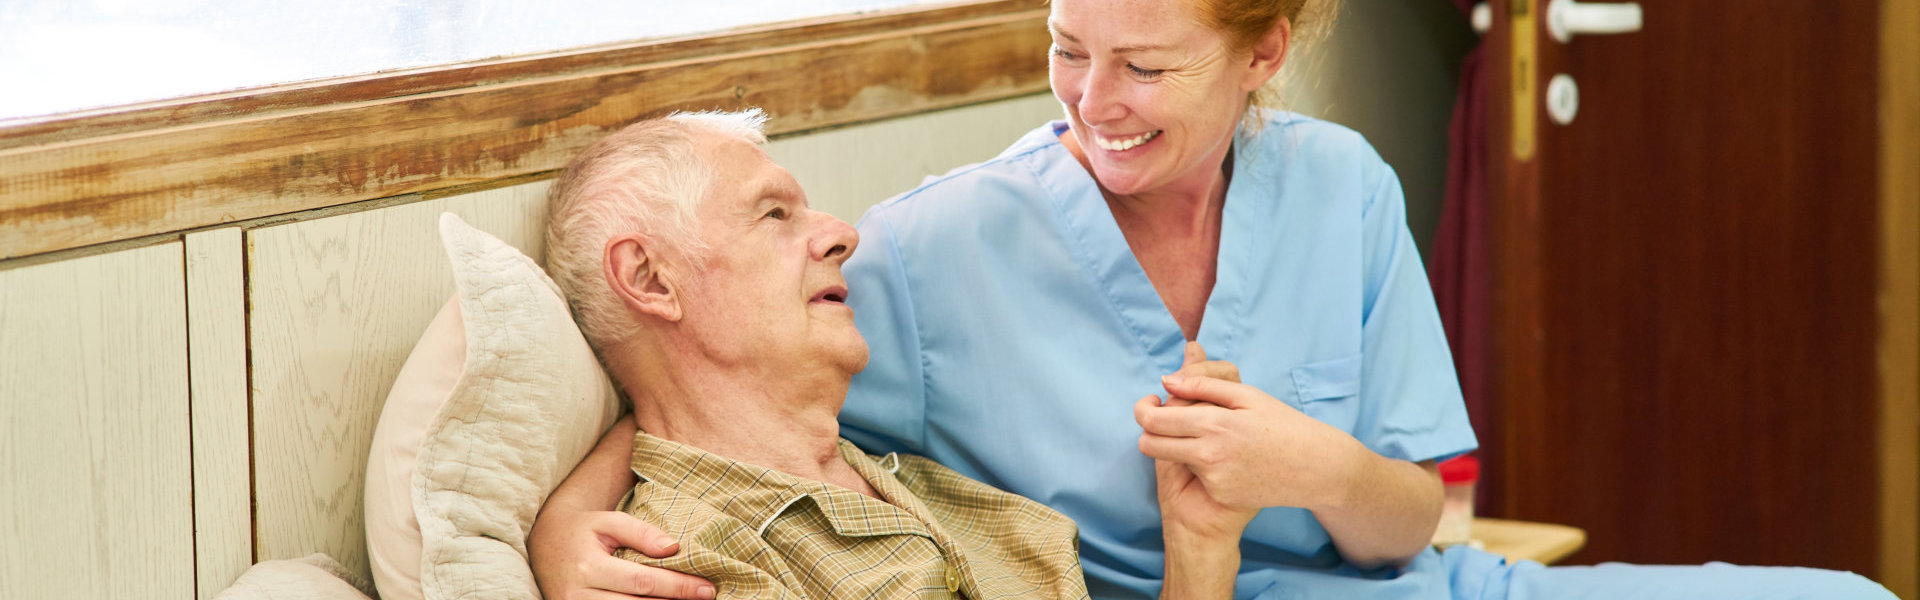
[1055, 28]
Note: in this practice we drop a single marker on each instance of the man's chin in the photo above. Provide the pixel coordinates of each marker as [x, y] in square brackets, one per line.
[852, 359]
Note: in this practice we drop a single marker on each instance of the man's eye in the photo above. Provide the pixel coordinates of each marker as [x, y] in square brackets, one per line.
[776, 213]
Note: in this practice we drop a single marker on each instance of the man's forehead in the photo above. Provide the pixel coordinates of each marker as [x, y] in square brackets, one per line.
[743, 173]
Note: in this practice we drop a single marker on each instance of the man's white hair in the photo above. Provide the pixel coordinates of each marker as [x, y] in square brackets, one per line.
[645, 179]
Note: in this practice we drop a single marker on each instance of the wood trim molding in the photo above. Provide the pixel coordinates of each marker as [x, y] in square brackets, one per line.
[94, 178]
[1900, 297]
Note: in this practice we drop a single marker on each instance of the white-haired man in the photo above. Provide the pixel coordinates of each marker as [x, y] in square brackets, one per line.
[713, 295]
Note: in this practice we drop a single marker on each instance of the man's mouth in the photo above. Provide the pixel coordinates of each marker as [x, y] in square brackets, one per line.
[833, 294]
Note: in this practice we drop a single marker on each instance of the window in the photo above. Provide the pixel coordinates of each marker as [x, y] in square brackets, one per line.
[64, 55]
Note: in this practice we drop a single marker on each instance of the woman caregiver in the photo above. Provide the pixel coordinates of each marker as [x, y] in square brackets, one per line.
[1022, 312]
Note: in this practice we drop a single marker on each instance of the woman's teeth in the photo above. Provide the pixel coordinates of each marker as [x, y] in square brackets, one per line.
[1117, 145]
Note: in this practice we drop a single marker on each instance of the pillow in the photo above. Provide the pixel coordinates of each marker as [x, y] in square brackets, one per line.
[313, 577]
[497, 403]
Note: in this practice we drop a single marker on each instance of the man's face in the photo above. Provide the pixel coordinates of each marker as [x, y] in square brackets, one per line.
[770, 293]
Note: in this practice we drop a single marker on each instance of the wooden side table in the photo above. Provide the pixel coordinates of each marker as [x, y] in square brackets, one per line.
[1545, 543]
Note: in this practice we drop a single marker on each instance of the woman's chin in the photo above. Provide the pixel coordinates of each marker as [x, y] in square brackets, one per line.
[1123, 182]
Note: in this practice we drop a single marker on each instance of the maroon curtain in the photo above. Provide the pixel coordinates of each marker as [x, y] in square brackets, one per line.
[1459, 268]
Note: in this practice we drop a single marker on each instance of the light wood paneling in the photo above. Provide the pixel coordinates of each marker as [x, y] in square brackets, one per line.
[217, 362]
[93, 400]
[336, 305]
[1900, 297]
[844, 171]
[70, 194]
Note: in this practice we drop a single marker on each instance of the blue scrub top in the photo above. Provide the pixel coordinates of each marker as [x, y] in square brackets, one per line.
[1011, 330]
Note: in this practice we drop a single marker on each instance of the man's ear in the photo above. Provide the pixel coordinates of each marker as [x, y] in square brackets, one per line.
[1268, 55]
[637, 279]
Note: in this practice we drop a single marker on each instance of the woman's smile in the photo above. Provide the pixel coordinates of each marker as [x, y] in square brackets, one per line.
[1122, 144]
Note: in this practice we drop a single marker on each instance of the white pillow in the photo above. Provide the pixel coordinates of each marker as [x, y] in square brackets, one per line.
[498, 415]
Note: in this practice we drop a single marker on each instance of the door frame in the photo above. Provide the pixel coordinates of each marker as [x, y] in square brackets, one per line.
[1899, 345]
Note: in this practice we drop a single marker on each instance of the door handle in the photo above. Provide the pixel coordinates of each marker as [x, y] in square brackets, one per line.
[1567, 18]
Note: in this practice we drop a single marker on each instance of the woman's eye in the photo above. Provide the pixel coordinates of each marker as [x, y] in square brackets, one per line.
[1064, 55]
[777, 213]
[1146, 73]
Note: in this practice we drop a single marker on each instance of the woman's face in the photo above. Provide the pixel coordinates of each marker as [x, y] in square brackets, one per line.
[1153, 96]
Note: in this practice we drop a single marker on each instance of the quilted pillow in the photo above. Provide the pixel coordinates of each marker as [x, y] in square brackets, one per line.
[497, 403]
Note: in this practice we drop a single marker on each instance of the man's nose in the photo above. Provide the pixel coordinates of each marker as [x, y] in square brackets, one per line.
[836, 239]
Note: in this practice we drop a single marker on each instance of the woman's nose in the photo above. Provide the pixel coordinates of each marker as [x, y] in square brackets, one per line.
[1099, 100]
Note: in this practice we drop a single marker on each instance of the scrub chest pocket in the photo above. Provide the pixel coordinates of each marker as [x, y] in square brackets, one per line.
[1327, 390]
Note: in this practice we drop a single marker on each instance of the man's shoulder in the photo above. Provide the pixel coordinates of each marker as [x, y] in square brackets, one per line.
[957, 498]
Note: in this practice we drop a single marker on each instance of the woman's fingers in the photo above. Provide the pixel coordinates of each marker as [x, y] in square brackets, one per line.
[1215, 369]
[634, 579]
[1229, 394]
[1176, 419]
[589, 594]
[621, 530]
[1194, 362]
[1183, 450]
[601, 576]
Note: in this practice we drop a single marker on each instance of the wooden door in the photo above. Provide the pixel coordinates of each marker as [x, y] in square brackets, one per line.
[1685, 283]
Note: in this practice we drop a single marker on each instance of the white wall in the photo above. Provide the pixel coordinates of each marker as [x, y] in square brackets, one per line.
[846, 170]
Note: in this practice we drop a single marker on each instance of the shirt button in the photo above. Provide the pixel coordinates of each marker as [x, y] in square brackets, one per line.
[953, 579]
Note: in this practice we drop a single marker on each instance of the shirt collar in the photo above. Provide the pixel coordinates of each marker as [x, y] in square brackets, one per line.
[756, 495]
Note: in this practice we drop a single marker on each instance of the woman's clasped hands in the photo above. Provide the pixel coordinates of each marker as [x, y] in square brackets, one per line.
[1223, 450]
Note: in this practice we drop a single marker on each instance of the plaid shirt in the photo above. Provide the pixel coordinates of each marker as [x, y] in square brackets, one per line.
[760, 533]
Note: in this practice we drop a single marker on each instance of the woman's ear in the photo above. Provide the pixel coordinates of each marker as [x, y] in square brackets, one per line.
[1268, 55]
[637, 279]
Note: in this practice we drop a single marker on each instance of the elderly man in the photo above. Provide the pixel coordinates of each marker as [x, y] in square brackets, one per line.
[713, 295]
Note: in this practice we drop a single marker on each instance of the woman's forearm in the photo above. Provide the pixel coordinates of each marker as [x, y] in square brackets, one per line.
[1387, 512]
[602, 478]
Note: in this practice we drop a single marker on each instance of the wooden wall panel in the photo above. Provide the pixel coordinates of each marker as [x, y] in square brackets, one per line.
[93, 400]
[217, 362]
[336, 305]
